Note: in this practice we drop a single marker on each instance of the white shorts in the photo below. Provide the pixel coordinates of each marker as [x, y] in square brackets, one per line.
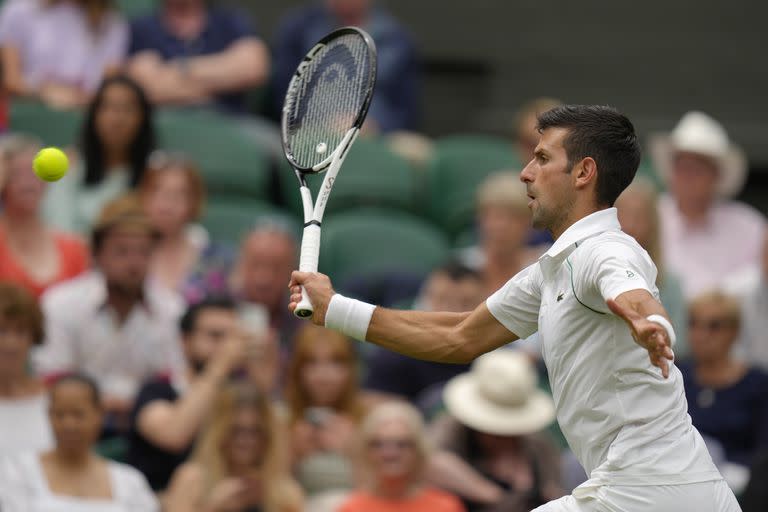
[713, 496]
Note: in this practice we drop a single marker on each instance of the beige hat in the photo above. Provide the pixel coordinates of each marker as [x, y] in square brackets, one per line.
[499, 396]
[698, 133]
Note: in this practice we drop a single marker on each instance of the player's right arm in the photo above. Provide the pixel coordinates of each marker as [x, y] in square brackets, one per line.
[433, 336]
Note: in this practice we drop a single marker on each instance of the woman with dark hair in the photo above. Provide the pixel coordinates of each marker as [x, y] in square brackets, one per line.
[71, 477]
[117, 138]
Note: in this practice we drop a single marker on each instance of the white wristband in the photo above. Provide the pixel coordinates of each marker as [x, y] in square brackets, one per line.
[350, 316]
[666, 325]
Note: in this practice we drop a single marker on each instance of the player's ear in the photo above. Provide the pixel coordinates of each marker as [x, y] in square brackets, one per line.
[585, 172]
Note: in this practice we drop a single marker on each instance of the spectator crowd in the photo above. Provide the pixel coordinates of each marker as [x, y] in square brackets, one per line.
[148, 360]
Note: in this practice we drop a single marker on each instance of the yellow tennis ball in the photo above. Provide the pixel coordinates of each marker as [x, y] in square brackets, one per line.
[50, 164]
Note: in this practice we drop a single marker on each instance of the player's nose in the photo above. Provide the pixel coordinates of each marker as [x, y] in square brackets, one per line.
[526, 175]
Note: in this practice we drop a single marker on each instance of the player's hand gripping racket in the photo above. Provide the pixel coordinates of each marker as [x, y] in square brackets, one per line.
[325, 106]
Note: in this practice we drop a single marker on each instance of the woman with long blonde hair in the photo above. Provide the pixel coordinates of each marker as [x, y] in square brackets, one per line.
[239, 463]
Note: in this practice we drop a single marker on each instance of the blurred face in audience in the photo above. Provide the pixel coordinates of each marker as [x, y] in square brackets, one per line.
[16, 340]
[349, 9]
[245, 446]
[711, 332]
[694, 180]
[503, 228]
[527, 137]
[326, 372]
[123, 259]
[22, 190]
[442, 293]
[118, 117]
[636, 214]
[168, 201]
[76, 417]
[212, 327]
[391, 451]
[266, 261]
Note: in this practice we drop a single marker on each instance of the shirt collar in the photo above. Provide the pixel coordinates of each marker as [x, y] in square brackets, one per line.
[591, 225]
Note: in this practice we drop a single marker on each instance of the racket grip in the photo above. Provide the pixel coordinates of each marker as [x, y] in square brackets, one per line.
[310, 253]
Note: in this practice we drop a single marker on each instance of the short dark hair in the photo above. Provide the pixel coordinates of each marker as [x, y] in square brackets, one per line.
[78, 378]
[188, 320]
[456, 271]
[19, 307]
[605, 135]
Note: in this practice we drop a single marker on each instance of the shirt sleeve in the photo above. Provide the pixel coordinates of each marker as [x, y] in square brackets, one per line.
[616, 267]
[516, 304]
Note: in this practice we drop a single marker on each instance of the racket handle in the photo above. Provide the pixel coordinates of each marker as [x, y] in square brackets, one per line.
[310, 253]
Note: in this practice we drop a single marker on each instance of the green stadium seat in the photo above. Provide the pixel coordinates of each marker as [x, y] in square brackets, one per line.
[367, 241]
[371, 176]
[54, 127]
[136, 8]
[231, 161]
[227, 219]
[460, 164]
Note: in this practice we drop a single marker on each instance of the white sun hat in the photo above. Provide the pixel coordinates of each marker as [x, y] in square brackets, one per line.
[499, 395]
[699, 133]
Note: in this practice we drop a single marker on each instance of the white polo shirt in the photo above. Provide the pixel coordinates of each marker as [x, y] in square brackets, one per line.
[626, 424]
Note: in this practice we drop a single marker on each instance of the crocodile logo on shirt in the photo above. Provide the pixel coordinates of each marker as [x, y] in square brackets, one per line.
[560, 296]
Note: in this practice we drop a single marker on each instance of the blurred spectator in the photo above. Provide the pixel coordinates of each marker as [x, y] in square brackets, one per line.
[753, 345]
[112, 323]
[23, 401]
[239, 463]
[393, 458]
[31, 253]
[639, 218]
[492, 453]
[451, 287]
[526, 136]
[59, 50]
[325, 406]
[702, 225]
[727, 399]
[189, 53]
[168, 415]
[116, 140]
[504, 226]
[268, 255]
[71, 477]
[173, 196]
[397, 101]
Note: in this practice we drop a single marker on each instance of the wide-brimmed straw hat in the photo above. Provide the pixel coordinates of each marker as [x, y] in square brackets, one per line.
[499, 395]
[699, 133]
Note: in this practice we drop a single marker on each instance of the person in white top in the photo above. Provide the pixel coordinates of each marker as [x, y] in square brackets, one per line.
[606, 339]
[707, 237]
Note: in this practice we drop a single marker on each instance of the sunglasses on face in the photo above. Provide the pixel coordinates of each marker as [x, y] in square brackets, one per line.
[399, 444]
[709, 324]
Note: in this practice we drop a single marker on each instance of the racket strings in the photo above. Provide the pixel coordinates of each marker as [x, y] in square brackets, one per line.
[327, 99]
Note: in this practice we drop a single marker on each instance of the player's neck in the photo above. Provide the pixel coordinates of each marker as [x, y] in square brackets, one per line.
[577, 213]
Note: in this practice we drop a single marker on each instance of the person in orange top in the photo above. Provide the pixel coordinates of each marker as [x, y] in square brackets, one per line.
[31, 254]
[393, 455]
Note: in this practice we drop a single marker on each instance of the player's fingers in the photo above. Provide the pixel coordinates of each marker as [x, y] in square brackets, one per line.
[298, 277]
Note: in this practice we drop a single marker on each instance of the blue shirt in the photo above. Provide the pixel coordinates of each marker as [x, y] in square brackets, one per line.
[222, 29]
[396, 100]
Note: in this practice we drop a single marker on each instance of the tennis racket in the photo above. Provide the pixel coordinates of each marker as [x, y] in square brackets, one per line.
[325, 106]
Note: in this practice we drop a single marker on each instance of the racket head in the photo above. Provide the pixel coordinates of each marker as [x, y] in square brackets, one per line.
[329, 94]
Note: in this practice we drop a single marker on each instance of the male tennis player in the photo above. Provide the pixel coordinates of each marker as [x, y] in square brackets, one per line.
[606, 339]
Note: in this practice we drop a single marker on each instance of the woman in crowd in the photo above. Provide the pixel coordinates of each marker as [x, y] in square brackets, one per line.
[117, 138]
[639, 218]
[325, 406]
[173, 197]
[31, 253]
[493, 451]
[239, 463]
[393, 458]
[58, 51]
[23, 401]
[727, 398]
[71, 477]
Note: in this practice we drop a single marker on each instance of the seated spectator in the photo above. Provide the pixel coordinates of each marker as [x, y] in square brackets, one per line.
[58, 51]
[239, 463]
[23, 401]
[116, 140]
[267, 256]
[189, 53]
[753, 343]
[727, 398]
[325, 406]
[71, 477]
[32, 254]
[492, 451]
[639, 218]
[451, 287]
[504, 228]
[393, 458]
[526, 137]
[702, 225]
[168, 415]
[396, 104]
[112, 323]
[173, 196]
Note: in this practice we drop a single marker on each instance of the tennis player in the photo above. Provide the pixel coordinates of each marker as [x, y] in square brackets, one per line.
[606, 339]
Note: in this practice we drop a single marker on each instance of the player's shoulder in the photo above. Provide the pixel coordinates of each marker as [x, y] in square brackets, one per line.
[607, 245]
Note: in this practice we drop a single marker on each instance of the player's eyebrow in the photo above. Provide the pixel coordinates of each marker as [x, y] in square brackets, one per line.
[539, 152]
